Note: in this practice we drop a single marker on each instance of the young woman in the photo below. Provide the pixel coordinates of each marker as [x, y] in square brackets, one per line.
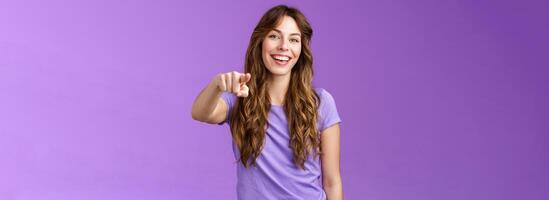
[285, 132]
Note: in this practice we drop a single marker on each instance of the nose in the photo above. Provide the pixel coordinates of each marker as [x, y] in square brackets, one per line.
[283, 46]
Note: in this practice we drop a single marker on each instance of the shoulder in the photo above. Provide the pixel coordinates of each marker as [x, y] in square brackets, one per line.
[324, 96]
[229, 98]
[327, 102]
[327, 110]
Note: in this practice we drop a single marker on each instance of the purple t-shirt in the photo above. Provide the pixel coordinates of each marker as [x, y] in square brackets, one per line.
[276, 176]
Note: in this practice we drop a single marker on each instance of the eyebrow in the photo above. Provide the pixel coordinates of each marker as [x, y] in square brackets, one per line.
[279, 31]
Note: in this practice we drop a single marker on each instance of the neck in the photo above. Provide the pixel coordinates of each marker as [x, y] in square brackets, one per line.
[278, 86]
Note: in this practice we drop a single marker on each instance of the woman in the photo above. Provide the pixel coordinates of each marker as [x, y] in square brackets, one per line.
[280, 124]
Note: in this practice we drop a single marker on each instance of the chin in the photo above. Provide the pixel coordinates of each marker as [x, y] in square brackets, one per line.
[278, 71]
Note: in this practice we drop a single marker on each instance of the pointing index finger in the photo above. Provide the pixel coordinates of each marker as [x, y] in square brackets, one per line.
[245, 78]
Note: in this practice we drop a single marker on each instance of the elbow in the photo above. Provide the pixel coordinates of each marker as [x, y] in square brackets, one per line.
[200, 117]
[196, 116]
[333, 188]
[332, 181]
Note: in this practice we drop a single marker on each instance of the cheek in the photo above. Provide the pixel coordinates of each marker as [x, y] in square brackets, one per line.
[267, 43]
[297, 51]
[264, 50]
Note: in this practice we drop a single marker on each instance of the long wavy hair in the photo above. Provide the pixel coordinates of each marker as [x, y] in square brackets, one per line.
[249, 116]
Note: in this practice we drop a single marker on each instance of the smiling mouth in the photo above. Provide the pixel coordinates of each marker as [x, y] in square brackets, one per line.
[281, 59]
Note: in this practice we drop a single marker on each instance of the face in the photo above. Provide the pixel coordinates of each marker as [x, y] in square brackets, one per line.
[282, 47]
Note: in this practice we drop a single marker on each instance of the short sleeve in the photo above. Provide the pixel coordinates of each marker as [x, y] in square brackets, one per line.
[327, 110]
[230, 99]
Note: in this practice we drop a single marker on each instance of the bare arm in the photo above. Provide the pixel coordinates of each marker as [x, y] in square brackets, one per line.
[331, 176]
[208, 106]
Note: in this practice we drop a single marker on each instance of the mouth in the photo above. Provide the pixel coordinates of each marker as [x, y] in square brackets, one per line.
[281, 59]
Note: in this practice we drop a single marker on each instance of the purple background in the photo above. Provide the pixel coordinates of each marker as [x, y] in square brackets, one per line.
[440, 100]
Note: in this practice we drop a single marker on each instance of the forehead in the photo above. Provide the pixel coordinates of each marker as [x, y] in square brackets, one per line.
[288, 25]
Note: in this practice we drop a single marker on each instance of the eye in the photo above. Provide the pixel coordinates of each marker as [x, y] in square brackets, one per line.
[273, 36]
[294, 40]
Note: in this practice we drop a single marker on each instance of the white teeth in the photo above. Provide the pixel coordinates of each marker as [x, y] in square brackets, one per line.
[283, 58]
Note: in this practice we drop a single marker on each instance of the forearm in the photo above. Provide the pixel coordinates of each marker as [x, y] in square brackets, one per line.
[205, 103]
[334, 189]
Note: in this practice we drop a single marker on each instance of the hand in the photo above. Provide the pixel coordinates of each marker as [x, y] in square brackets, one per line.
[233, 82]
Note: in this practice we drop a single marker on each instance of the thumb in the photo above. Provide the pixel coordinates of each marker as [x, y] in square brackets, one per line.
[244, 91]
